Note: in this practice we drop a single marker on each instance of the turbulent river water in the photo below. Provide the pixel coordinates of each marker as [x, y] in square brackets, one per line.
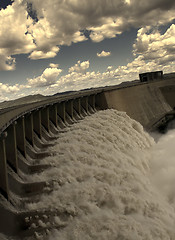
[114, 179]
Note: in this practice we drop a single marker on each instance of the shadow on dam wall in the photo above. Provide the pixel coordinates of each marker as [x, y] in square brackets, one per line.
[147, 103]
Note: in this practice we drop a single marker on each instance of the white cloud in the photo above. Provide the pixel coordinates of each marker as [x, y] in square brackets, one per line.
[14, 37]
[41, 54]
[80, 67]
[109, 28]
[78, 37]
[79, 78]
[77, 81]
[103, 54]
[8, 92]
[154, 46]
[109, 68]
[53, 65]
[57, 26]
[62, 23]
[6, 88]
[48, 77]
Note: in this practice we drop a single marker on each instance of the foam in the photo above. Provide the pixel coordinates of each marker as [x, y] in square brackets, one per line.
[104, 178]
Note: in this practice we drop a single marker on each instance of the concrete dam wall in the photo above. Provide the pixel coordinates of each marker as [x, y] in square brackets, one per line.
[27, 130]
[147, 103]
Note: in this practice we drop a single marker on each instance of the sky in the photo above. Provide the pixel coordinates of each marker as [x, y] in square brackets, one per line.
[55, 46]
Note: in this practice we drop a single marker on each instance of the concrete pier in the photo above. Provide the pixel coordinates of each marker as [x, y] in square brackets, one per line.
[29, 129]
[77, 107]
[45, 118]
[11, 145]
[37, 123]
[4, 187]
[62, 111]
[69, 108]
[20, 136]
[53, 113]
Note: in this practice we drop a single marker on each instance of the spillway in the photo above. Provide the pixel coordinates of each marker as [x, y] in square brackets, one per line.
[80, 165]
[102, 183]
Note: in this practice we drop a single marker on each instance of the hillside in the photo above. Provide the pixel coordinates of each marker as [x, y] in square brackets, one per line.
[23, 100]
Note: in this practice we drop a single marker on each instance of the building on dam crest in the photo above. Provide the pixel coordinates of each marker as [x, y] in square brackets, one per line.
[151, 76]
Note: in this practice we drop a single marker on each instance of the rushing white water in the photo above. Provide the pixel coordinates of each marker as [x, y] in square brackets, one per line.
[113, 179]
[163, 166]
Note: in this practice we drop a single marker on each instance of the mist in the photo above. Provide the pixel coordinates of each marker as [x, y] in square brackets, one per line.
[162, 164]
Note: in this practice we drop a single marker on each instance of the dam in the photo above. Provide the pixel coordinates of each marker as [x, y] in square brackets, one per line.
[28, 130]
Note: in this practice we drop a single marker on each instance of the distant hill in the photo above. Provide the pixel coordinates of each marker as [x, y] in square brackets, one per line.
[23, 100]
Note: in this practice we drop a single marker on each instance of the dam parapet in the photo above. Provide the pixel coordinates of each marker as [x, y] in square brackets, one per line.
[28, 130]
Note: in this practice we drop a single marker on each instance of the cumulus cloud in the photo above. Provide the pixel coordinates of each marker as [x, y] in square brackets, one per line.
[58, 23]
[8, 92]
[53, 65]
[79, 78]
[40, 27]
[103, 54]
[106, 18]
[80, 67]
[41, 54]
[6, 88]
[77, 81]
[14, 37]
[47, 78]
[108, 29]
[154, 46]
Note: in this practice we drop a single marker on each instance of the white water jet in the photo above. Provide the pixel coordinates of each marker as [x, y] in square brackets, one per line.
[106, 176]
